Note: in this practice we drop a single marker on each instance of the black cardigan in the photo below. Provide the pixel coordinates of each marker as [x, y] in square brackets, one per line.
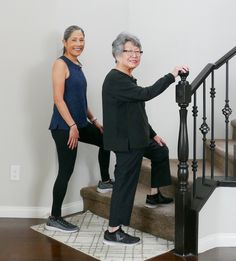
[124, 117]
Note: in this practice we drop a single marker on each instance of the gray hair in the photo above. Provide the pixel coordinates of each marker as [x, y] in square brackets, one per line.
[121, 40]
[68, 32]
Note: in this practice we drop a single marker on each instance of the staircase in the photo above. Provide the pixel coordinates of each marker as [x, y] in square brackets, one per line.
[159, 221]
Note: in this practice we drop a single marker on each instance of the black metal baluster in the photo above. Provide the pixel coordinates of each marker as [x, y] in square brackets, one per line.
[227, 111]
[204, 130]
[234, 159]
[212, 142]
[194, 162]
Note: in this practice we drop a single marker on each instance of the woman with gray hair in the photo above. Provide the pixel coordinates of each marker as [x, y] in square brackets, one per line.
[128, 133]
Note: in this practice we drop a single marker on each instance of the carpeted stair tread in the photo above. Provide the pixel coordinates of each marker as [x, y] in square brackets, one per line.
[139, 201]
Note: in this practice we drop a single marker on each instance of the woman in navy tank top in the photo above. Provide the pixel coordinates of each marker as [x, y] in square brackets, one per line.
[72, 121]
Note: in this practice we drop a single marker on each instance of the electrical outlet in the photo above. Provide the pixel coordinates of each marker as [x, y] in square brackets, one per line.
[15, 172]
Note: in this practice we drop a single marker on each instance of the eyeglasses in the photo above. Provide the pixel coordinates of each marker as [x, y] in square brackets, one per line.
[131, 52]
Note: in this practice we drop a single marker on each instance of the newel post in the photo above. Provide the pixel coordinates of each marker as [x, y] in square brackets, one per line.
[183, 194]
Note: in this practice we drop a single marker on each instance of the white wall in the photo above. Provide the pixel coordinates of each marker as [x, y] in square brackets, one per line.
[217, 224]
[181, 32]
[31, 40]
[31, 33]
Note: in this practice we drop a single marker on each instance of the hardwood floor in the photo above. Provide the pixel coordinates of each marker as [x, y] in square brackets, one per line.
[20, 243]
[216, 254]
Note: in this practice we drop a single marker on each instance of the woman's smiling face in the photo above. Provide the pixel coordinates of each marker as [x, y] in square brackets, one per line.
[74, 45]
[130, 57]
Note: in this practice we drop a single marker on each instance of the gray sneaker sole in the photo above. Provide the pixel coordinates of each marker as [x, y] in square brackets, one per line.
[104, 190]
[50, 228]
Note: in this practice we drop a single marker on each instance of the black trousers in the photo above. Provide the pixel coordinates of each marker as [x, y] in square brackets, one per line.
[66, 158]
[127, 171]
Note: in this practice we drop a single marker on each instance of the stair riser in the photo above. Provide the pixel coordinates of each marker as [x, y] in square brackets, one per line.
[155, 224]
[220, 162]
[168, 191]
[234, 133]
[233, 124]
[99, 208]
[164, 228]
[145, 178]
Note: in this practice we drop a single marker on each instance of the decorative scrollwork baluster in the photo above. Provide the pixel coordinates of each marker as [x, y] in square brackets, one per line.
[194, 161]
[204, 128]
[227, 112]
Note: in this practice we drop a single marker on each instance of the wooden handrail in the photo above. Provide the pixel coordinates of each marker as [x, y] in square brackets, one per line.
[202, 76]
[210, 67]
[225, 58]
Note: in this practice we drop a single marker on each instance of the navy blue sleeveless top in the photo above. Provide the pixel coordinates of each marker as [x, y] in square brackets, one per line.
[74, 96]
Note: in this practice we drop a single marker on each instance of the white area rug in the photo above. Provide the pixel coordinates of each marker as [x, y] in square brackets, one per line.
[89, 240]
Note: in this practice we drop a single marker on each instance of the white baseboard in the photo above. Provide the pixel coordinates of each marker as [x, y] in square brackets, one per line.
[216, 240]
[72, 208]
[38, 212]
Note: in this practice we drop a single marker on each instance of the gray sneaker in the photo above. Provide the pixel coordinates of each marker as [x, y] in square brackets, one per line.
[105, 186]
[60, 224]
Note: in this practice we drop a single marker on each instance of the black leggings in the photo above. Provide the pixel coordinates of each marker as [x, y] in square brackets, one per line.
[66, 158]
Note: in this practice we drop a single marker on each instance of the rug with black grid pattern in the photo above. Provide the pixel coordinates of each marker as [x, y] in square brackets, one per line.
[89, 240]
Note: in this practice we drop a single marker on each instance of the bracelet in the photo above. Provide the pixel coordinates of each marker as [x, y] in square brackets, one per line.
[93, 120]
[72, 125]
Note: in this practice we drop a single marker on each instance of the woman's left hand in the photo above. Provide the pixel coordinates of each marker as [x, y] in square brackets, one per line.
[98, 125]
[159, 140]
